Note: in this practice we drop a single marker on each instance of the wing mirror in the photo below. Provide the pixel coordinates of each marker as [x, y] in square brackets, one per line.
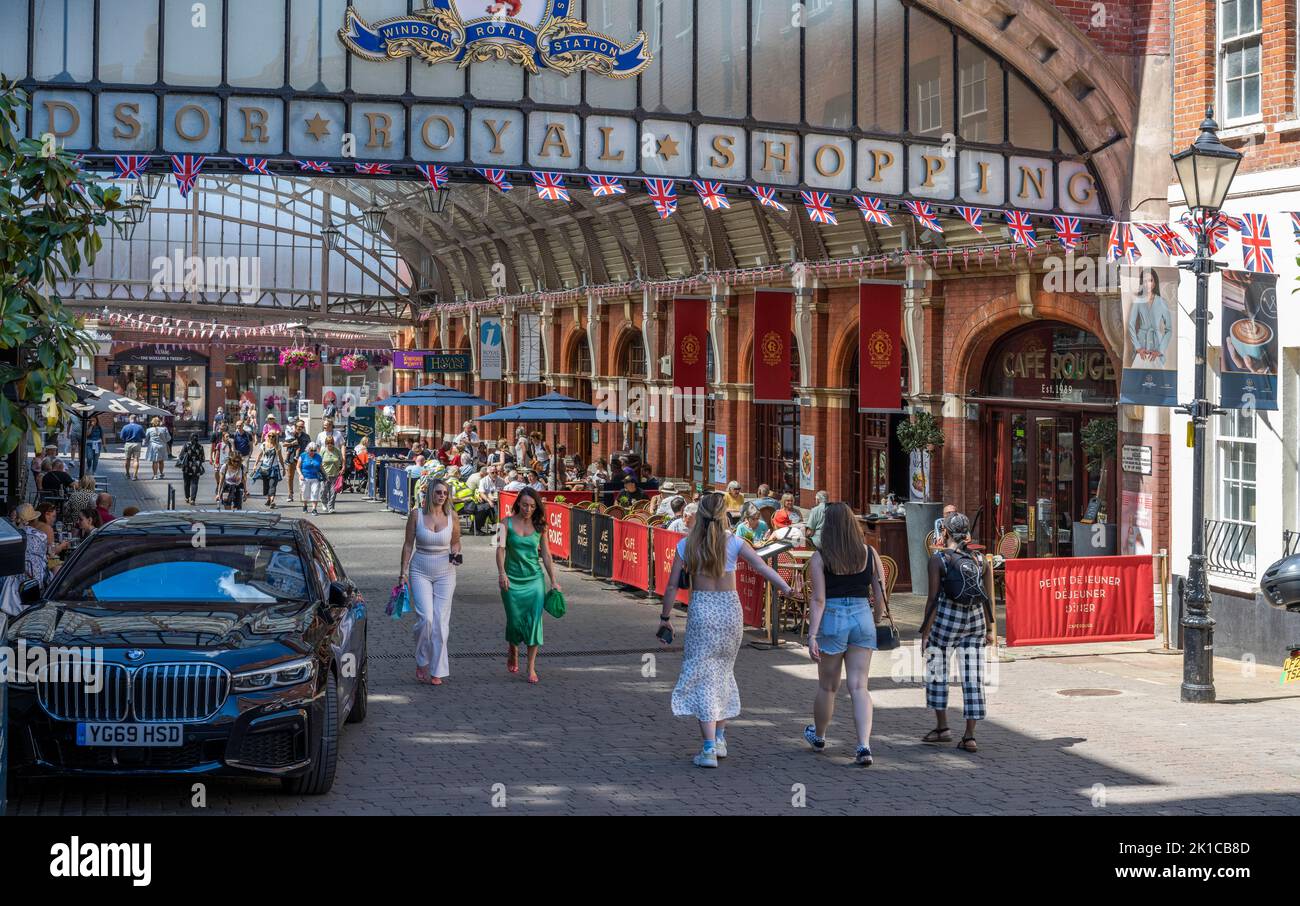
[338, 595]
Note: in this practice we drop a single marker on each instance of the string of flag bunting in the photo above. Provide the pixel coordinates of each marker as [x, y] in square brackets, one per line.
[180, 327]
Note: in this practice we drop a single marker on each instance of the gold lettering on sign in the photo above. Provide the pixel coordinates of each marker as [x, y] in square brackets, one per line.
[1028, 178]
[839, 161]
[126, 113]
[498, 129]
[446, 124]
[51, 107]
[1089, 191]
[556, 137]
[381, 130]
[881, 160]
[933, 167]
[984, 177]
[769, 155]
[179, 122]
[723, 157]
[606, 152]
[255, 130]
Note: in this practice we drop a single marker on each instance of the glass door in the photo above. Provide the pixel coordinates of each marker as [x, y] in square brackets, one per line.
[1055, 487]
[1037, 488]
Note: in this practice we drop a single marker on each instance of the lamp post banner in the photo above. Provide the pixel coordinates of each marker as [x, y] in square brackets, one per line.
[1149, 296]
[1067, 600]
[1248, 366]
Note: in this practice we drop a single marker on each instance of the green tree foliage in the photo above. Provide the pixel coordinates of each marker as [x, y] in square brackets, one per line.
[920, 432]
[49, 220]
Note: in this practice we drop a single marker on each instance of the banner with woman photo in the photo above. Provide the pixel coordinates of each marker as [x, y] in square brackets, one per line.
[1248, 360]
[1150, 299]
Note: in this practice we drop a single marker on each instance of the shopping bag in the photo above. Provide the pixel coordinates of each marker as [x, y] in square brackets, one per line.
[399, 602]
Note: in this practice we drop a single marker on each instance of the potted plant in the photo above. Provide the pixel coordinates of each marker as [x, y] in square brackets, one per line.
[299, 357]
[1095, 535]
[354, 361]
[919, 437]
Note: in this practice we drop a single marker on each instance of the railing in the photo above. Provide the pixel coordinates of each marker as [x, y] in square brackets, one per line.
[1230, 548]
[1290, 542]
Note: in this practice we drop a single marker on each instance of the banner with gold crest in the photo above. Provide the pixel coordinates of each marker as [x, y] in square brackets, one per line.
[773, 317]
[690, 355]
[880, 347]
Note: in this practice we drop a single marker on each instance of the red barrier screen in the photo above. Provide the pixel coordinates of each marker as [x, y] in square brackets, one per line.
[665, 545]
[632, 554]
[750, 586]
[1055, 601]
[506, 500]
[558, 529]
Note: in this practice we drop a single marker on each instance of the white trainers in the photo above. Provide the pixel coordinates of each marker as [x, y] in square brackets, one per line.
[706, 758]
[720, 747]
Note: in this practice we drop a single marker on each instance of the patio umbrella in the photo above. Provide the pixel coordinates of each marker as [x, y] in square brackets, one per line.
[434, 396]
[92, 401]
[553, 409]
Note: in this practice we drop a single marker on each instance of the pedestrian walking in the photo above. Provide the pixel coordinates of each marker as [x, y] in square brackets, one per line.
[270, 467]
[524, 565]
[295, 444]
[191, 465]
[429, 559]
[848, 600]
[94, 446]
[132, 436]
[331, 473]
[156, 440]
[958, 615]
[706, 688]
[309, 471]
[232, 482]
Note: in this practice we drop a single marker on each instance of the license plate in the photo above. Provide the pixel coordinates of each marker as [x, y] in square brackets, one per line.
[129, 734]
[1291, 670]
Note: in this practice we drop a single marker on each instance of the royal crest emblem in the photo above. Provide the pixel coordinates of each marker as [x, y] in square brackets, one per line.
[534, 34]
[772, 349]
[880, 349]
[690, 349]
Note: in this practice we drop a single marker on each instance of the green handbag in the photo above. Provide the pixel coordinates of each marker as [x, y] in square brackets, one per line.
[554, 603]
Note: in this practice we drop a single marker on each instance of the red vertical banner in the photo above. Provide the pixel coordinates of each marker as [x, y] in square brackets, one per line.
[773, 319]
[632, 553]
[665, 545]
[558, 529]
[750, 586]
[690, 326]
[880, 347]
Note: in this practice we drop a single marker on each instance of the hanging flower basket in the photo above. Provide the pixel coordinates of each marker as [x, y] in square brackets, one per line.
[354, 362]
[299, 357]
[248, 355]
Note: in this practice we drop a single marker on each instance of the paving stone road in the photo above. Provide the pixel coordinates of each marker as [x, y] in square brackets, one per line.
[597, 736]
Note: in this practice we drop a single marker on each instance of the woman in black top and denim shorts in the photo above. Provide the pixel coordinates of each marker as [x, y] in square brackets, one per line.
[847, 602]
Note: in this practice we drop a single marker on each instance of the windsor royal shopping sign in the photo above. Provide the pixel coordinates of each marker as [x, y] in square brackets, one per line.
[536, 34]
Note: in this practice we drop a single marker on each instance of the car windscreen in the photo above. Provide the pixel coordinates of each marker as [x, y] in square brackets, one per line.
[222, 570]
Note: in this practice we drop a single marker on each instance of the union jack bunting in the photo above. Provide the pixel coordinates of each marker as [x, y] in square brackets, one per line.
[663, 192]
[1256, 244]
[550, 187]
[973, 216]
[1216, 237]
[187, 167]
[606, 186]
[498, 178]
[1156, 237]
[434, 175]
[818, 206]
[315, 166]
[255, 165]
[873, 210]
[1022, 229]
[924, 215]
[80, 186]
[374, 169]
[1069, 231]
[1295, 224]
[130, 167]
[712, 195]
[1120, 246]
[767, 198]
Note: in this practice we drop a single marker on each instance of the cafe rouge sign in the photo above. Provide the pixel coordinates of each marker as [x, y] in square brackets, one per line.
[1058, 363]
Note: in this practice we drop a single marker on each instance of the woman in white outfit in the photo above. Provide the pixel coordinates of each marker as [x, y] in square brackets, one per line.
[155, 451]
[429, 559]
[706, 688]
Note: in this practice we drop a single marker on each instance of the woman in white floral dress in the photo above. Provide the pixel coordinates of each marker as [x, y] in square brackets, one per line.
[706, 688]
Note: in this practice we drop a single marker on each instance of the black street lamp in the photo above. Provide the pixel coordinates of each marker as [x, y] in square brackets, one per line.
[1205, 172]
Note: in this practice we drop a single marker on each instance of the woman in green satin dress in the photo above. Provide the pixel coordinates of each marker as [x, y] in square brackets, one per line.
[523, 564]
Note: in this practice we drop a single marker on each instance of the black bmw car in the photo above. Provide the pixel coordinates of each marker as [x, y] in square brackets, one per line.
[192, 643]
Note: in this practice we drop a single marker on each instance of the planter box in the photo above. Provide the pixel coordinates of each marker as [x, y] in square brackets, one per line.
[920, 522]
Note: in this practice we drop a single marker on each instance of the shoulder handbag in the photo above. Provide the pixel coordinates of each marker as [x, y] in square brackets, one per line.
[554, 604]
[887, 638]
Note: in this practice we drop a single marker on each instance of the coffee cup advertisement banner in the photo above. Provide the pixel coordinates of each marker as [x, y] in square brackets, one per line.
[1248, 359]
[1150, 299]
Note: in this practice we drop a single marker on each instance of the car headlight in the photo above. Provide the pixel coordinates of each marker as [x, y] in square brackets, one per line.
[290, 673]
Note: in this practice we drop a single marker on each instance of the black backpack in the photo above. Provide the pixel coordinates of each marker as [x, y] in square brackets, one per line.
[963, 578]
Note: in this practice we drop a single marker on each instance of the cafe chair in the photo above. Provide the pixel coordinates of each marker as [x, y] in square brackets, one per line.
[931, 542]
[767, 513]
[794, 606]
[889, 574]
[1008, 548]
[616, 511]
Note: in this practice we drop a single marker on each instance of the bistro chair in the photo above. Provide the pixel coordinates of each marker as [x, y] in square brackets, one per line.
[931, 542]
[889, 574]
[1008, 548]
[794, 606]
[766, 513]
[616, 511]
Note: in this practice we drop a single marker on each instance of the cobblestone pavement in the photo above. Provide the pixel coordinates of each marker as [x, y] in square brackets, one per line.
[597, 737]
